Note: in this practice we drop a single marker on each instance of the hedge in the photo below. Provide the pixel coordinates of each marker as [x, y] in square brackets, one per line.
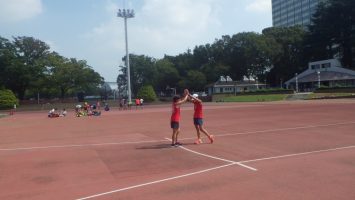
[147, 93]
[7, 99]
[335, 90]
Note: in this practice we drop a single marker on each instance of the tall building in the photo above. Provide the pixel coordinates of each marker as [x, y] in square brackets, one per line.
[286, 13]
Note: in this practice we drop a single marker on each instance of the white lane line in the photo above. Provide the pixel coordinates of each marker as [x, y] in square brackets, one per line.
[297, 154]
[157, 181]
[206, 155]
[211, 169]
[154, 141]
[284, 129]
[216, 158]
[81, 145]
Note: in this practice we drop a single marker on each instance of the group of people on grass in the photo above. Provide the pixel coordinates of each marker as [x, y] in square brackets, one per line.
[197, 118]
[54, 113]
[95, 108]
[89, 110]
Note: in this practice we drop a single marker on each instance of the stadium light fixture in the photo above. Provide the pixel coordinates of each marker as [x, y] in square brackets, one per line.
[125, 14]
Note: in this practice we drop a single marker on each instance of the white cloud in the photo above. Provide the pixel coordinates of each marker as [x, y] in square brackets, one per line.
[159, 27]
[260, 6]
[19, 10]
[162, 27]
[160, 24]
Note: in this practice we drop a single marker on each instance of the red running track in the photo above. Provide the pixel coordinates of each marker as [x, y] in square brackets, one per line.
[284, 150]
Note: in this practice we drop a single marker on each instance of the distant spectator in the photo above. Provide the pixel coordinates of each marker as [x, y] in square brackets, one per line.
[63, 113]
[138, 102]
[98, 105]
[107, 108]
[141, 102]
[53, 113]
[121, 104]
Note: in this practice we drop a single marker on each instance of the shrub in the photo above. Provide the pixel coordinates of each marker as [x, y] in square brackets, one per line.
[147, 93]
[7, 99]
[335, 90]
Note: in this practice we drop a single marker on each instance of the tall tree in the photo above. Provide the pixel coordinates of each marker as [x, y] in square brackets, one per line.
[288, 56]
[28, 66]
[332, 32]
[248, 55]
[7, 56]
[142, 72]
[71, 76]
[167, 75]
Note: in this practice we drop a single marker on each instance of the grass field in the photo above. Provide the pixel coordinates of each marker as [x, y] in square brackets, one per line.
[256, 98]
[241, 98]
[329, 95]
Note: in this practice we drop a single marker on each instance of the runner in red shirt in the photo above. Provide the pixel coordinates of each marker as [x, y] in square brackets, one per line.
[198, 119]
[175, 117]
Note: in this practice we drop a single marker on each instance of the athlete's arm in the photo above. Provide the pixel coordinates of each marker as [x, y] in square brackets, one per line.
[196, 99]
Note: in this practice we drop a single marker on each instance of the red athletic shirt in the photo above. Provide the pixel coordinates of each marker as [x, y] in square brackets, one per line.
[198, 110]
[175, 115]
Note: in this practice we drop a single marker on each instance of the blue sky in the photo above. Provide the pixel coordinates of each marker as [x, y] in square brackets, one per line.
[90, 30]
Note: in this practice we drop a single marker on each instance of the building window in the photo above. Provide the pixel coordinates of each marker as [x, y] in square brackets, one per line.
[325, 65]
[315, 66]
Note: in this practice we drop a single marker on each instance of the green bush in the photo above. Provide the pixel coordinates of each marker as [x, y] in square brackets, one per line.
[7, 99]
[335, 90]
[147, 93]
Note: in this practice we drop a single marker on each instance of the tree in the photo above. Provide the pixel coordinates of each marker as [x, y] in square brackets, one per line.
[248, 55]
[7, 55]
[122, 81]
[7, 99]
[71, 76]
[288, 53]
[27, 65]
[167, 75]
[195, 81]
[147, 93]
[182, 62]
[332, 32]
[213, 71]
[142, 72]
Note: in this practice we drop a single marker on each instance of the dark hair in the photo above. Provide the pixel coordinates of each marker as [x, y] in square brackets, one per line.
[176, 98]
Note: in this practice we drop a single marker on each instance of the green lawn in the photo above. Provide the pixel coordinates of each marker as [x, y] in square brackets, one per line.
[256, 98]
[322, 95]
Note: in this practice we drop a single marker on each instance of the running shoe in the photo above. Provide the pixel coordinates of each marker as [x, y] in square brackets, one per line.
[211, 137]
[198, 141]
[178, 144]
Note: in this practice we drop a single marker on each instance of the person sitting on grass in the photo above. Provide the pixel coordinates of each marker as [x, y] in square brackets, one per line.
[53, 113]
[107, 108]
[96, 113]
[79, 111]
[63, 113]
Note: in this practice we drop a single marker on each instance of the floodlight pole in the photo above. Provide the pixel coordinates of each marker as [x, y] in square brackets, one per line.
[126, 13]
[296, 82]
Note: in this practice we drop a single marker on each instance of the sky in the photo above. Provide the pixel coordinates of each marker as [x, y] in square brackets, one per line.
[90, 29]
